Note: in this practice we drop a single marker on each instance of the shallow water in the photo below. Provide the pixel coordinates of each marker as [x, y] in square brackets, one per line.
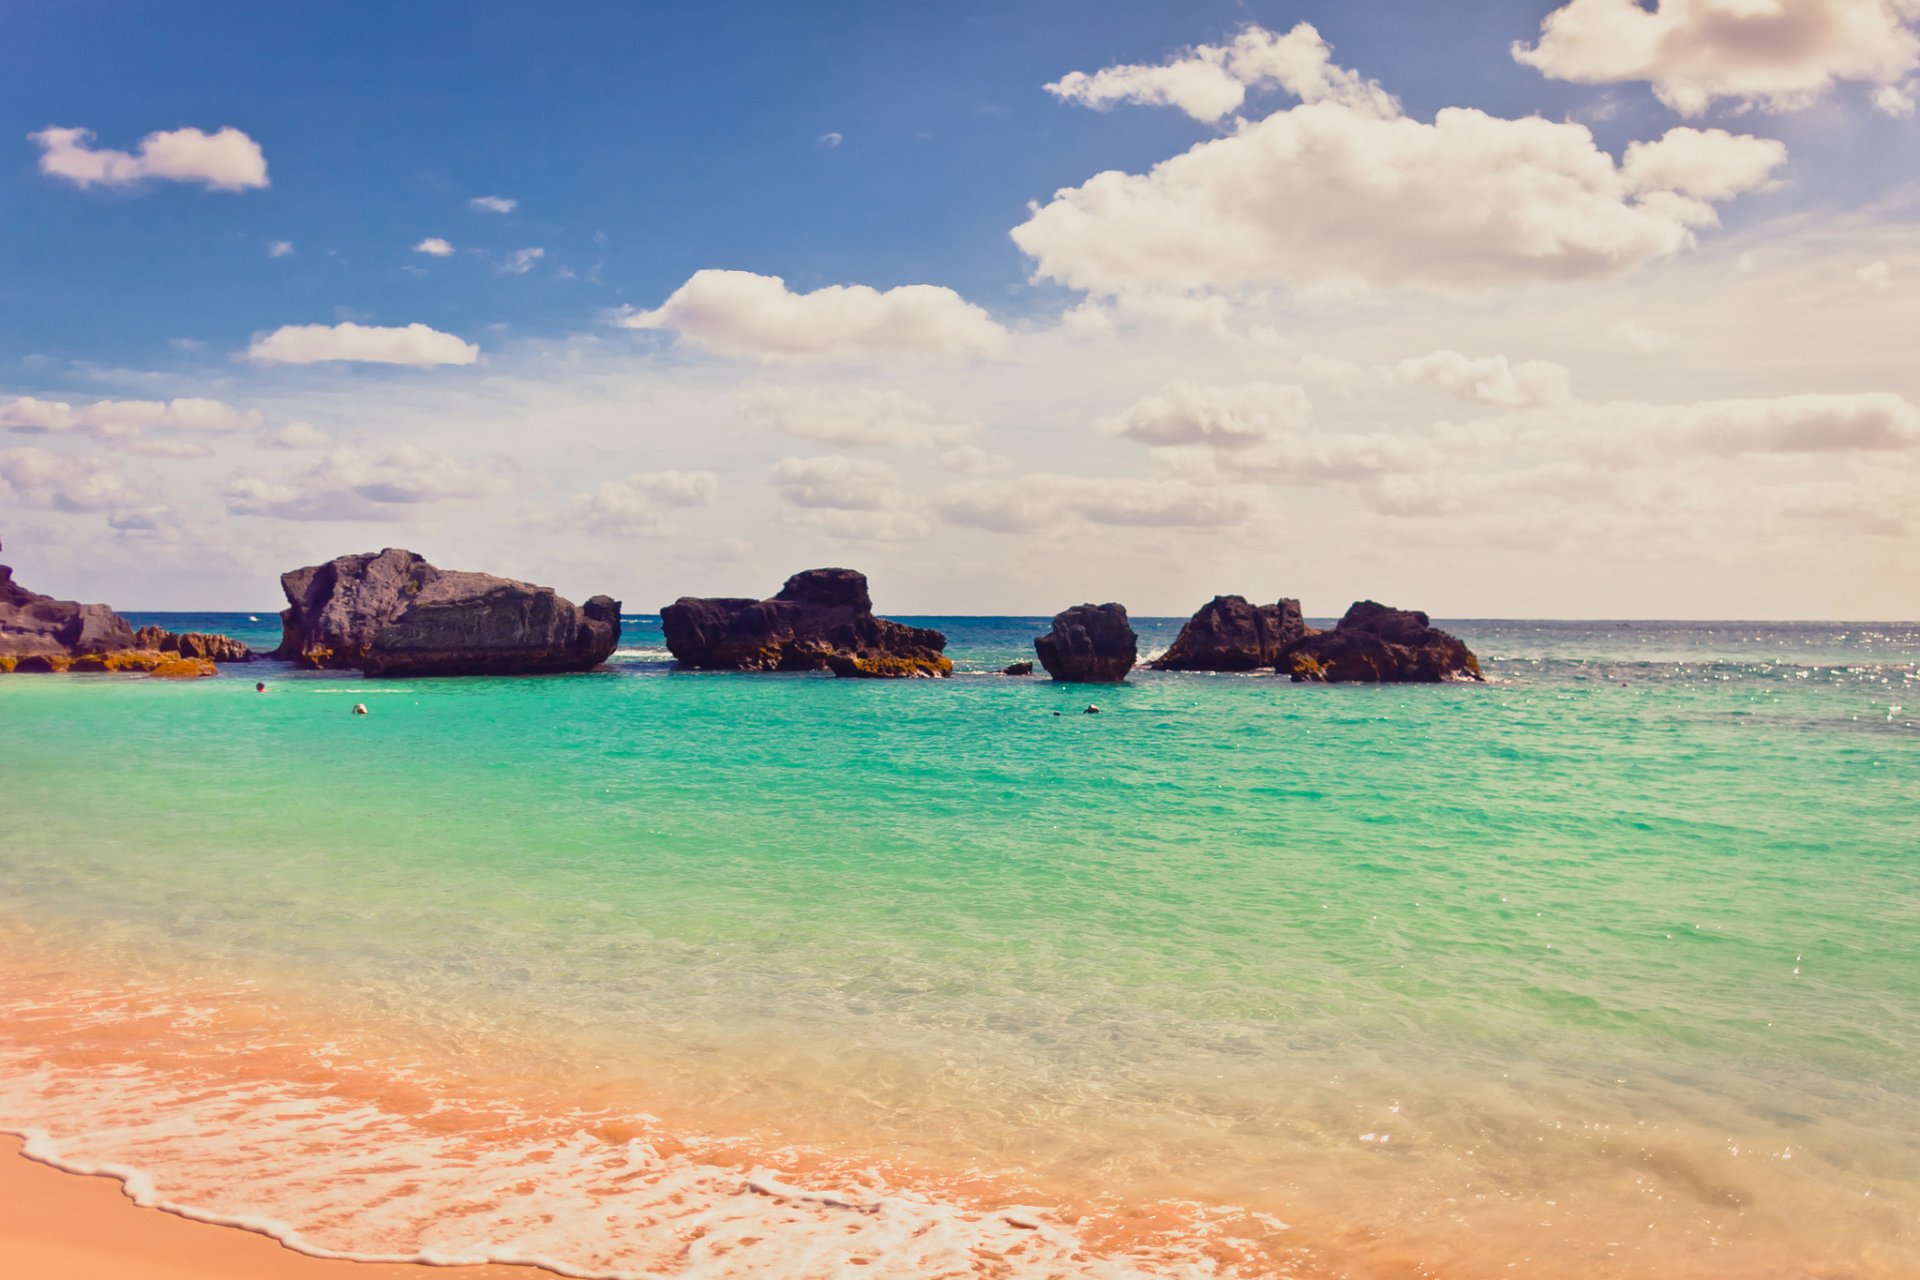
[1607, 967]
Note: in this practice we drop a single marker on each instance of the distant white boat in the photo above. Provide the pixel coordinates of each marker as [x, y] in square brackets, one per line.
[253, 617]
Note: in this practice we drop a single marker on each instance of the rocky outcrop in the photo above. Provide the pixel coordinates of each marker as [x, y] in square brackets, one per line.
[1018, 669]
[33, 625]
[393, 614]
[822, 620]
[1229, 634]
[193, 644]
[1089, 644]
[1375, 644]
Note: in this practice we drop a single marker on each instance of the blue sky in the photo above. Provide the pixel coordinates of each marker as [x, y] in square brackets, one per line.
[885, 145]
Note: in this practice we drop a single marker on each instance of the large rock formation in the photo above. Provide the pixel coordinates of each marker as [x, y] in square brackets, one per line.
[193, 644]
[393, 614]
[1375, 644]
[822, 620]
[1229, 634]
[1089, 644]
[33, 625]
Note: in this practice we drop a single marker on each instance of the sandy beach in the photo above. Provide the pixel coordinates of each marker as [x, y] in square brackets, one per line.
[61, 1226]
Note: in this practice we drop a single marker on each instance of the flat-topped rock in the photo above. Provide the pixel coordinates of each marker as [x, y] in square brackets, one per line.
[1089, 644]
[1230, 634]
[821, 620]
[193, 644]
[33, 625]
[1376, 644]
[392, 614]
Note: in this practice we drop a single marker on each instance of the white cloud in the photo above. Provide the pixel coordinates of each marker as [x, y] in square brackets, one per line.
[434, 247]
[1219, 417]
[521, 261]
[226, 160]
[828, 141]
[1490, 379]
[1211, 81]
[633, 505]
[1639, 336]
[738, 313]
[123, 418]
[280, 249]
[839, 483]
[57, 482]
[1030, 503]
[1708, 164]
[312, 343]
[1895, 99]
[168, 447]
[364, 484]
[1326, 198]
[493, 204]
[1780, 54]
[1876, 275]
[301, 435]
[972, 460]
[847, 417]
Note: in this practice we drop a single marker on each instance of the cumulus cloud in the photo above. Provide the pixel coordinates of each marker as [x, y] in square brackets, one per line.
[847, 417]
[1327, 197]
[123, 418]
[434, 247]
[839, 483]
[1779, 54]
[301, 435]
[313, 343]
[1026, 504]
[226, 160]
[493, 204]
[1211, 81]
[521, 261]
[632, 505]
[1219, 417]
[738, 313]
[1490, 379]
[280, 249]
[364, 484]
[56, 482]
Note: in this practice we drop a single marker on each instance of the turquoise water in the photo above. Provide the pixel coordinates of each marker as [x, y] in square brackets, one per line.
[1437, 976]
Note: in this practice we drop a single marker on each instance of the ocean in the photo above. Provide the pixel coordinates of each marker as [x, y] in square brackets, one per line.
[1609, 967]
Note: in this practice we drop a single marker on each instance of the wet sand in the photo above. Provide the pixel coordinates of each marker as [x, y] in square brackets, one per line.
[62, 1226]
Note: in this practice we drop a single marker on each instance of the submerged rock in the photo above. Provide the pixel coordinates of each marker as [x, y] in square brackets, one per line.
[33, 625]
[822, 620]
[193, 644]
[1018, 669]
[1229, 634]
[393, 614]
[1375, 644]
[1089, 644]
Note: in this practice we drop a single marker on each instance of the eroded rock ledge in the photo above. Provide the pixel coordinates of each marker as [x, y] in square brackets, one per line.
[822, 620]
[1376, 644]
[1229, 634]
[392, 614]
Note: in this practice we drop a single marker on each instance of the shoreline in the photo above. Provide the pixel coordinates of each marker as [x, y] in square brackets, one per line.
[57, 1224]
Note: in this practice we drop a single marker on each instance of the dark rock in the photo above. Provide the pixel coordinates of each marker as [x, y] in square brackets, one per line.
[1089, 644]
[1229, 634]
[1019, 669]
[193, 644]
[1375, 644]
[33, 625]
[393, 614]
[822, 620]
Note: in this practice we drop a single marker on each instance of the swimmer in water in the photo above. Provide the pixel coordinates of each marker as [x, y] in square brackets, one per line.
[260, 687]
[1091, 710]
[359, 708]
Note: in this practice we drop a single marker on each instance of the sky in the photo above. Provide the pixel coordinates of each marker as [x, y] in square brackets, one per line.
[1596, 308]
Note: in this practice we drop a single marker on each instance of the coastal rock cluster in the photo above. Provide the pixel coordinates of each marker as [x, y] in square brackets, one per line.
[821, 620]
[193, 644]
[1229, 634]
[41, 634]
[391, 613]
